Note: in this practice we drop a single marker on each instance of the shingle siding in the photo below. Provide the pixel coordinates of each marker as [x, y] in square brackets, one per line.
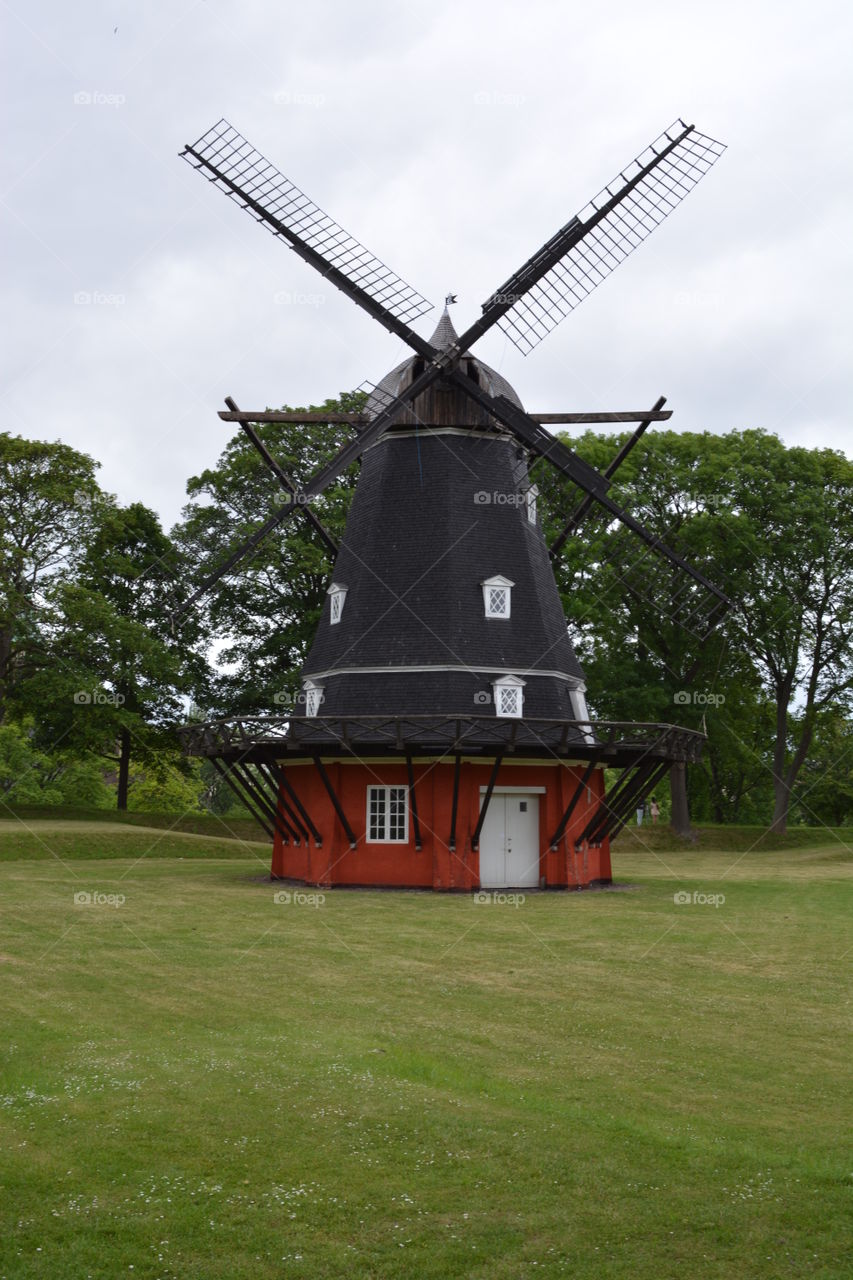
[417, 547]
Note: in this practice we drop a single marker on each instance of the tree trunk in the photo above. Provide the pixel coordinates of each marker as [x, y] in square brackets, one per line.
[123, 768]
[680, 820]
[781, 804]
[781, 790]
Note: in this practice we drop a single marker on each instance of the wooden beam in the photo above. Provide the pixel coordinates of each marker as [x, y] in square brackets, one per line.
[630, 415]
[475, 839]
[304, 814]
[281, 415]
[283, 478]
[413, 801]
[580, 511]
[330, 791]
[456, 765]
[232, 781]
[360, 419]
[570, 807]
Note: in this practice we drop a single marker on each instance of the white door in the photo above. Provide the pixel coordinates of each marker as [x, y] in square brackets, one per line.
[509, 842]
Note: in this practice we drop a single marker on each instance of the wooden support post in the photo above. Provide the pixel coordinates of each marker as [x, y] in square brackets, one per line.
[457, 761]
[619, 801]
[475, 839]
[570, 807]
[581, 510]
[270, 809]
[292, 816]
[303, 812]
[282, 477]
[413, 802]
[652, 782]
[330, 790]
[232, 783]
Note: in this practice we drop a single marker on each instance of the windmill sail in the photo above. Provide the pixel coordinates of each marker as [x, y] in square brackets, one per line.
[614, 223]
[248, 178]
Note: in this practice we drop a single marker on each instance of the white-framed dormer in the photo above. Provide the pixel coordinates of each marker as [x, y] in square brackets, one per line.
[313, 694]
[497, 596]
[337, 594]
[580, 711]
[530, 498]
[509, 697]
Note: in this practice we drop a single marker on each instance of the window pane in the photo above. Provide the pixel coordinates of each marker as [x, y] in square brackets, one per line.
[397, 813]
[509, 701]
[376, 813]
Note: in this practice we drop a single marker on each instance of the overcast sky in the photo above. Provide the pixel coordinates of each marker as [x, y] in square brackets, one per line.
[452, 139]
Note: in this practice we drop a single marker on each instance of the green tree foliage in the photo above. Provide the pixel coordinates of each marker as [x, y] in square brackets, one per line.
[86, 590]
[29, 775]
[49, 498]
[786, 544]
[774, 527]
[121, 678]
[824, 788]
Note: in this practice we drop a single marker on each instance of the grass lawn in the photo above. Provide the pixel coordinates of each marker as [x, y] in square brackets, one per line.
[201, 1082]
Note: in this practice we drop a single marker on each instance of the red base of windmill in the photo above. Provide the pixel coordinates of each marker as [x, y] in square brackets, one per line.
[514, 848]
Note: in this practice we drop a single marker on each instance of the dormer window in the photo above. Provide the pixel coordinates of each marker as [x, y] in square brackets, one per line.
[530, 497]
[313, 698]
[496, 596]
[509, 698]
[337, 594]
[577, 697]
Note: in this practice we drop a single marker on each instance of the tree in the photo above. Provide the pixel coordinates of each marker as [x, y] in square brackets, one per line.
[117, 681]
[49, 499]
[773, 526]
[824, 789]
[787, 543]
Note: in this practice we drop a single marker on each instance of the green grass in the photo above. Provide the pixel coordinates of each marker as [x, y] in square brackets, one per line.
[733, 839]
[201, 1082]
[198, 823]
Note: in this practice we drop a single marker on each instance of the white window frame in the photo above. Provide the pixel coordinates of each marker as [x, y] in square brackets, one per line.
[509, 685]
[577, 697]
[313, 698]
[491, 588]
[379, 816]
[337, 594]
[531, 495]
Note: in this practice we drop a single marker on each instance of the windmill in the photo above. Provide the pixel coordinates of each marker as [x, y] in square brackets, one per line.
[442, 736]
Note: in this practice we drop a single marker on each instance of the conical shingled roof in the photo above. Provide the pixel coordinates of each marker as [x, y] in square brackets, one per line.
[444, 336]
